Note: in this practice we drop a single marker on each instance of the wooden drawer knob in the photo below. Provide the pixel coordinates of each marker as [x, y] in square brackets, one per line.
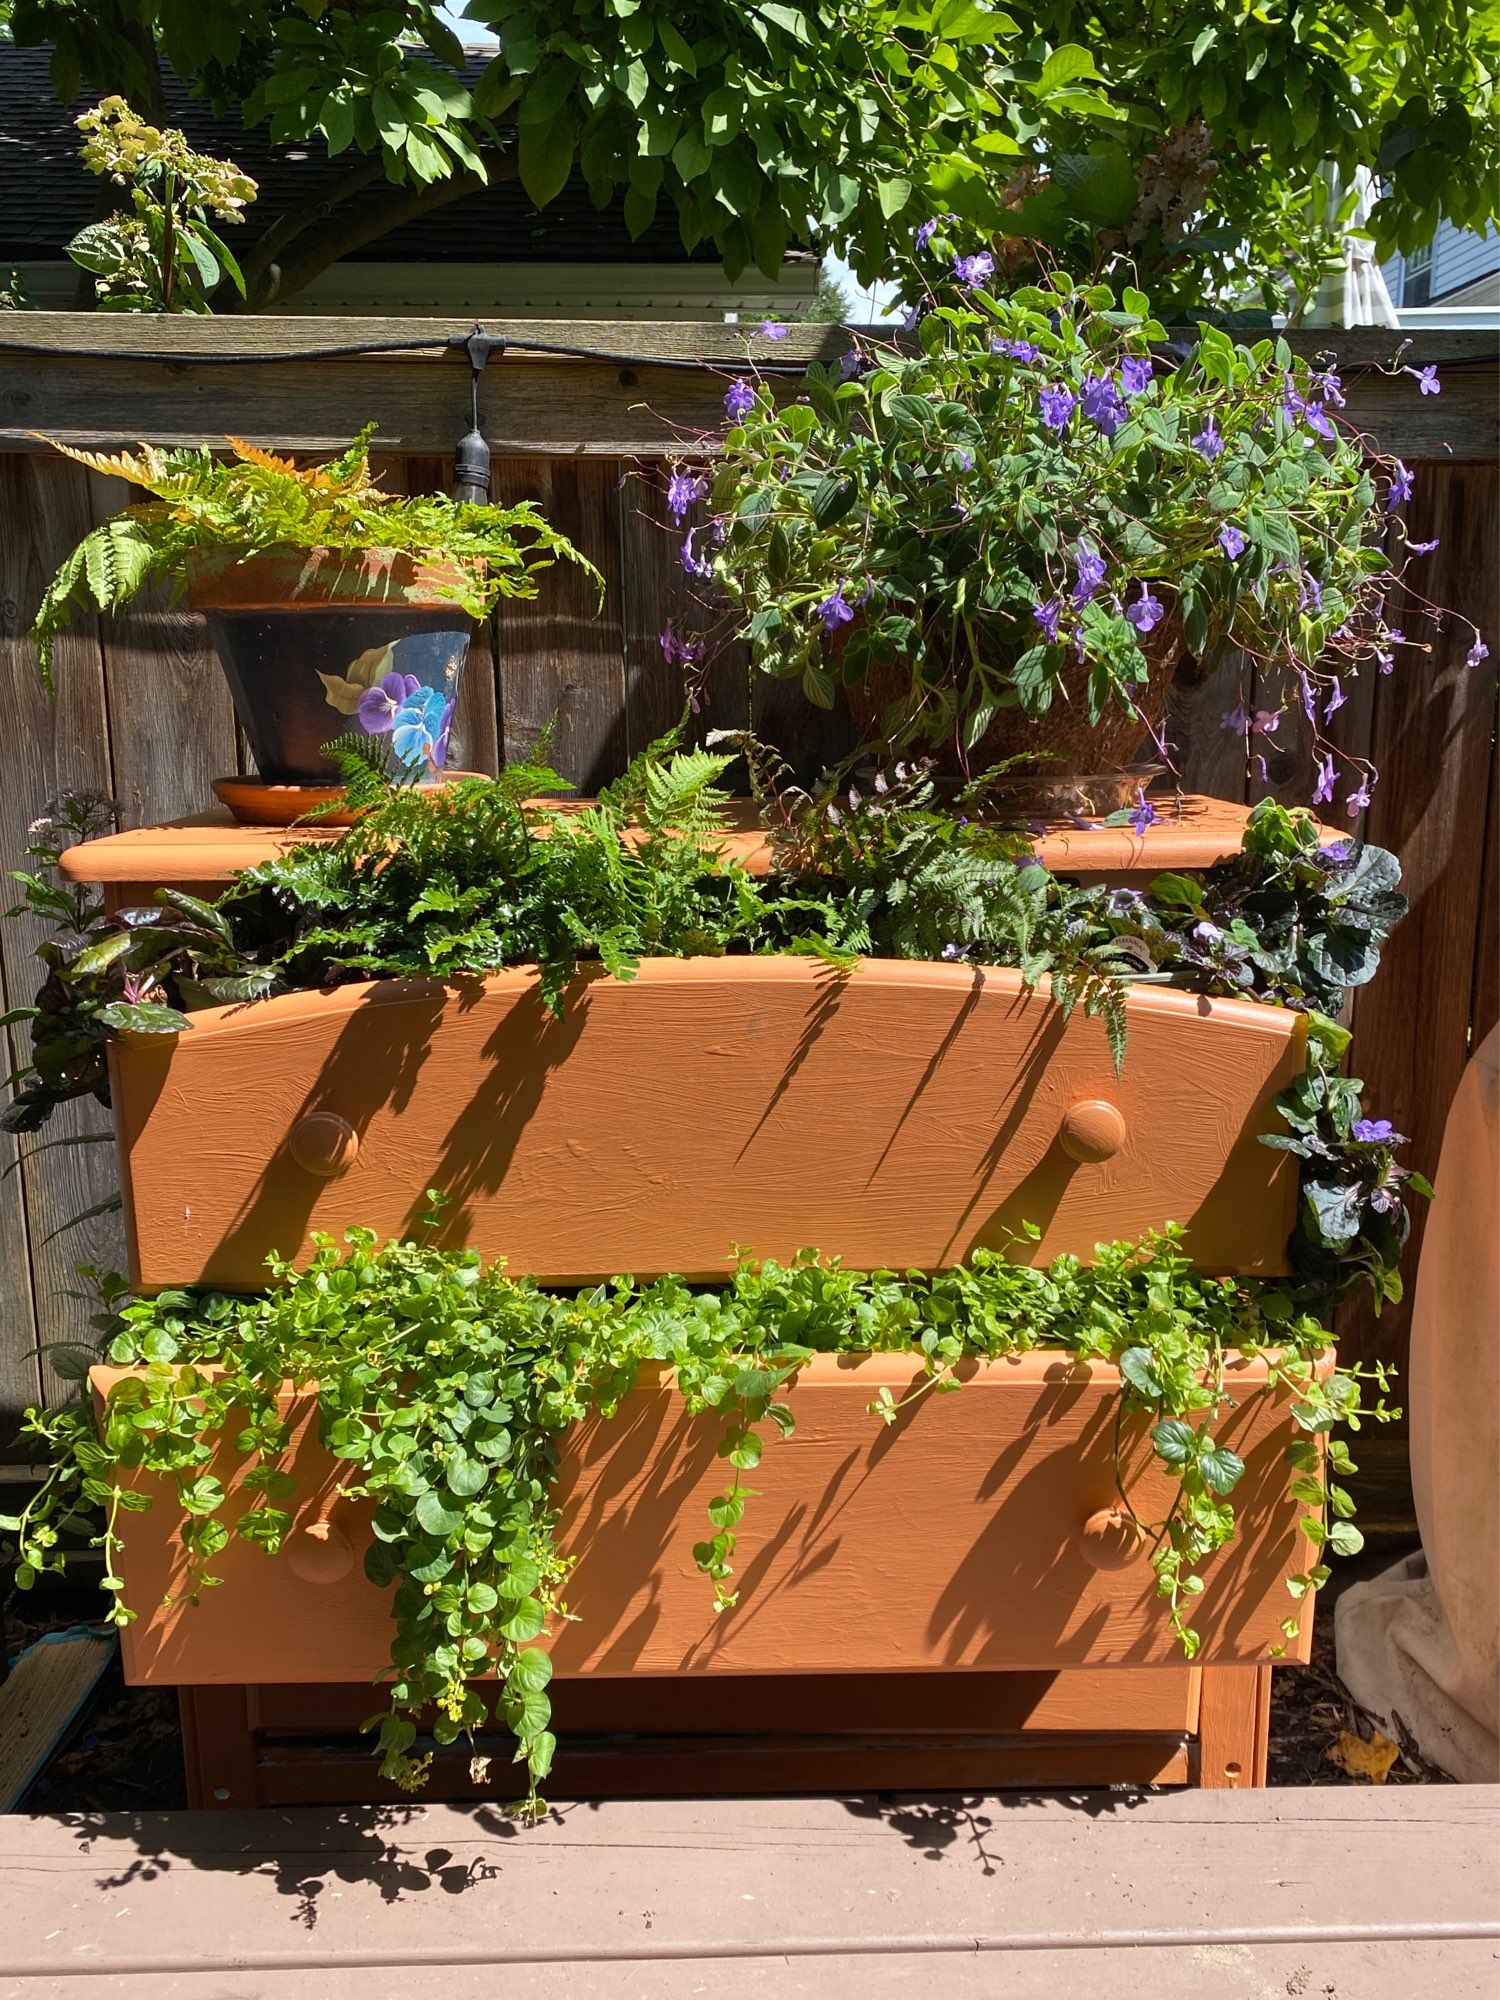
[320, 1553]
[1111, 1539]
[324, 1144]
[1092, 1129]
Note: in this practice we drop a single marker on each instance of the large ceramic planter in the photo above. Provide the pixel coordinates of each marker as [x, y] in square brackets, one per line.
[896, 1116]
[316, 646]
[982, 1530]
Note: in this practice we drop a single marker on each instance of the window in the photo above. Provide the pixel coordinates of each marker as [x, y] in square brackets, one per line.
[1416, 279]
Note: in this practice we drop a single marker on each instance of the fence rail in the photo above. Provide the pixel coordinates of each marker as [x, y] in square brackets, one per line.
[142, 712]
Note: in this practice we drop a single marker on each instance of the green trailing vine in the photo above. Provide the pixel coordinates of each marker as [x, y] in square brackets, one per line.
[445, 1388]
[463, 880]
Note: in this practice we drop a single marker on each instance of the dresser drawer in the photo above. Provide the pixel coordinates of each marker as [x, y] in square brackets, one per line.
[899, 1115]
[970, 1534]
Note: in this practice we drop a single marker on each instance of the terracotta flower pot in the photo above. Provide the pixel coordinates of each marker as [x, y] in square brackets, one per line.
[1063, 742]
[317, 645]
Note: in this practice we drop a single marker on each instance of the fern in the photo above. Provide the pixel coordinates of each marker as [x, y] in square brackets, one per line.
[470, 555]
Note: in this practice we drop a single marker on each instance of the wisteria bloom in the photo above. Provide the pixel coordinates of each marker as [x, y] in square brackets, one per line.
[1400, 489]
[1146, 612]
[1135, 374]
[836, 610]
[1016, 350]
[1047, 615]
[1102, 403]
[771, 329]
[1427, 380]
[1089, 572]
[1056, 404]
[1477, 654]
[972, 271]
[1145, 813]
[692, 562]
[1232, 541]
[739, 400]
[684, 490]
[1208, 441]
[1327, 778]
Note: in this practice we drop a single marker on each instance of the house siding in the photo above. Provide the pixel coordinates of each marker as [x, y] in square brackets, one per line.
[1460, 258]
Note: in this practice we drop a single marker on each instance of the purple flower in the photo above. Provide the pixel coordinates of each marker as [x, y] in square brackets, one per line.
[1135, 373]
[1047, 615]
[1423, 548]
[1310, 593]
[739, 399]
[851, 364]
[684, 490]
[679, 649]
[952, 951]
[1265, 722]
[1207, 933]
[1401, 488]
[771, 329]
[1358, 801]
[927, 231]
[1101, 403]
[1316, 418]
[1477, 654]
[1427, 380]
[1145, 813]
[1335, 701]
[1146, 612]
[1309, 696]
[971, 271]
[1208, 441]
[1327, 773]
[1056, 404]
[1232, 541]
[1089, 573]
[836, 610]
[965, 459]
[1330, 387]
[379, 705]
[692, 562]
[1378, 1132]
[1016, 350]
[1236, 719]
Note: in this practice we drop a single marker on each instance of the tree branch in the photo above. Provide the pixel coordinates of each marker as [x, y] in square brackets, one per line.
[324, 243]
[303, 215]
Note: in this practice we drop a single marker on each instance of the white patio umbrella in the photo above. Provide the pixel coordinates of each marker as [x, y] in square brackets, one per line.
[1356, 294]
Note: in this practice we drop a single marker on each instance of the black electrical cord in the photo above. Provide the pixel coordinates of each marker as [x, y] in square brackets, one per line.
[456, 343]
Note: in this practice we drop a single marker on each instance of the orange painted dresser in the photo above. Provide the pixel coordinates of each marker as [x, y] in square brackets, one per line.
[898, 1115]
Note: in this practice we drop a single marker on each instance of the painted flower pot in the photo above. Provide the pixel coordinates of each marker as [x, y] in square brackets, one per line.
[317, 646]
[900, 1115]
[982, 1530]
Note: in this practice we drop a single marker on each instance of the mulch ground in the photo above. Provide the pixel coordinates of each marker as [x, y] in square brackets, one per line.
[125, 1753]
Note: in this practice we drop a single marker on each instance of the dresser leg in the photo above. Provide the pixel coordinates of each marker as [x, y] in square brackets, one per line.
[218, 1748]
[1234, 1726]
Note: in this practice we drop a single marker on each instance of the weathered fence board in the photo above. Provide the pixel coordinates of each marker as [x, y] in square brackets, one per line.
[142, 710]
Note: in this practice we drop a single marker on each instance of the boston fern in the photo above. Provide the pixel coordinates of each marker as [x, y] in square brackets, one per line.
[444, 1388]
[467, 554]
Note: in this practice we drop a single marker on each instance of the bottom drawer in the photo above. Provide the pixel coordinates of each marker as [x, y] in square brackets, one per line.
[957, 1538]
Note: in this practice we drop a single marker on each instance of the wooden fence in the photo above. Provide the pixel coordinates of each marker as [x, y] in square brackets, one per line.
[142, 712]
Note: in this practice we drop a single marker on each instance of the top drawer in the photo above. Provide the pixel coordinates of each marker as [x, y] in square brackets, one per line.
[899, 1115]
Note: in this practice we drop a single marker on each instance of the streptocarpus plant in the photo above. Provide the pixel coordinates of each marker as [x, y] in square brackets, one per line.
[1012, 510]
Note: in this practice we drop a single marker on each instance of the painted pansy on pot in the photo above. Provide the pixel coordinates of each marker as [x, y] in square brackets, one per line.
[385, 700]
[1002, 536]
[326, 597]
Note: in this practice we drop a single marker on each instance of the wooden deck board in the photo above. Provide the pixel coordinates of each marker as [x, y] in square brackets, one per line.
[1256, 1891]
